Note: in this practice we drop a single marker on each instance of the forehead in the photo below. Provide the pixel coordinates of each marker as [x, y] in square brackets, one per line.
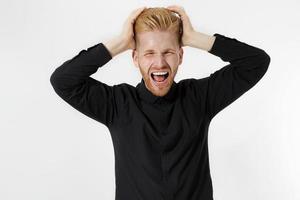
[157, 40]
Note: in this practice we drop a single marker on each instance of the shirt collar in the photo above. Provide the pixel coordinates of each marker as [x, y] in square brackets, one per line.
[147, 95]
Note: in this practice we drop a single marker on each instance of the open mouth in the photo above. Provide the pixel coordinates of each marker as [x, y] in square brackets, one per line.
[159, 77]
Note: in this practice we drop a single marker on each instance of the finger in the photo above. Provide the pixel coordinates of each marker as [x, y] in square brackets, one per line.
[174, 7]
[177, 8]
[176, 11]
[171, 7]
[138, 11]
[135, 13]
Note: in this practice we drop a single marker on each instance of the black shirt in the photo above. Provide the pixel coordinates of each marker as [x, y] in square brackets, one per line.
[160, 143]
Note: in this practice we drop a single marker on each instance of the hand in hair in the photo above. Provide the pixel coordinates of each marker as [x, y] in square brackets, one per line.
[125, 40]
[188, 29]
[127, 32]
[190, 37]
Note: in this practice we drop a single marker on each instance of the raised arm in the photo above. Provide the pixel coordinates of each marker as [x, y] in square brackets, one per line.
[247, 66]
[72, 81]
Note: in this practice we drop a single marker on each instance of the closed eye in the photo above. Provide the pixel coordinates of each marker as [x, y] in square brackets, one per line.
[169, 52]
[148, 53]
[151, 53]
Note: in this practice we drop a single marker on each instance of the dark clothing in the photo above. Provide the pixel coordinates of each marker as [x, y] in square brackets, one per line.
[160, 143]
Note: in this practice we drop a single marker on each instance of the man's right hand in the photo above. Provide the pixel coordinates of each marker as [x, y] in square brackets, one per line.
[125, 40]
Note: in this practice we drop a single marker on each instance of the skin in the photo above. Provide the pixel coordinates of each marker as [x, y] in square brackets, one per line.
[158, 41]
[165, 55]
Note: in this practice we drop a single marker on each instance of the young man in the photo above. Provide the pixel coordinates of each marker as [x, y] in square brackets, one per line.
[159, 127]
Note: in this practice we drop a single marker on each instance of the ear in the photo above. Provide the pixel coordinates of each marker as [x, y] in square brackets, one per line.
[135, 57]
[180, 55]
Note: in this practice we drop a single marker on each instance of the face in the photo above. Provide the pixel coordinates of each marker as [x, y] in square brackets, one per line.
[157, 56]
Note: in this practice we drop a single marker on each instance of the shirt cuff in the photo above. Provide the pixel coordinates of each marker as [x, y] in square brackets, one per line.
[102, 54]
[219, 44]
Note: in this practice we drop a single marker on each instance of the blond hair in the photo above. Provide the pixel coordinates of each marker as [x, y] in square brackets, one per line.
[158, 18]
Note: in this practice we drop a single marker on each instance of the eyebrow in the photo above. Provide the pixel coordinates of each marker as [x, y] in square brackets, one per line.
[151, 50]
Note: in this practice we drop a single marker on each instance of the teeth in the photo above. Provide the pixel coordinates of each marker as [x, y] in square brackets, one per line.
[160, 73]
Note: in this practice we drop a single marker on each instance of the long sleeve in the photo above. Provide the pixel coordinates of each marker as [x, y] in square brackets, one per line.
[72, 82]
[248, 64]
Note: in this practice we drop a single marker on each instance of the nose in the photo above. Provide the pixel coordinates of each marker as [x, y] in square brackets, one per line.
[160, 60]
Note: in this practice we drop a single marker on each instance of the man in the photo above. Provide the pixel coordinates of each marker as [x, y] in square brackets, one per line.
[159, 127]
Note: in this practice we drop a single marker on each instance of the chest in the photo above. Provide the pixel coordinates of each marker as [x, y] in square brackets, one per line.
[163, 125]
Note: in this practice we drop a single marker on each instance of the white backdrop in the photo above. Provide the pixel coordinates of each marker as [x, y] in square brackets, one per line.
[50, 151]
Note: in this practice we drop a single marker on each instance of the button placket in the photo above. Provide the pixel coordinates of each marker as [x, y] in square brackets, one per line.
[167, 186]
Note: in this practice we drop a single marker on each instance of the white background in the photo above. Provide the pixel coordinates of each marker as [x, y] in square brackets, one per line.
[50, 151]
